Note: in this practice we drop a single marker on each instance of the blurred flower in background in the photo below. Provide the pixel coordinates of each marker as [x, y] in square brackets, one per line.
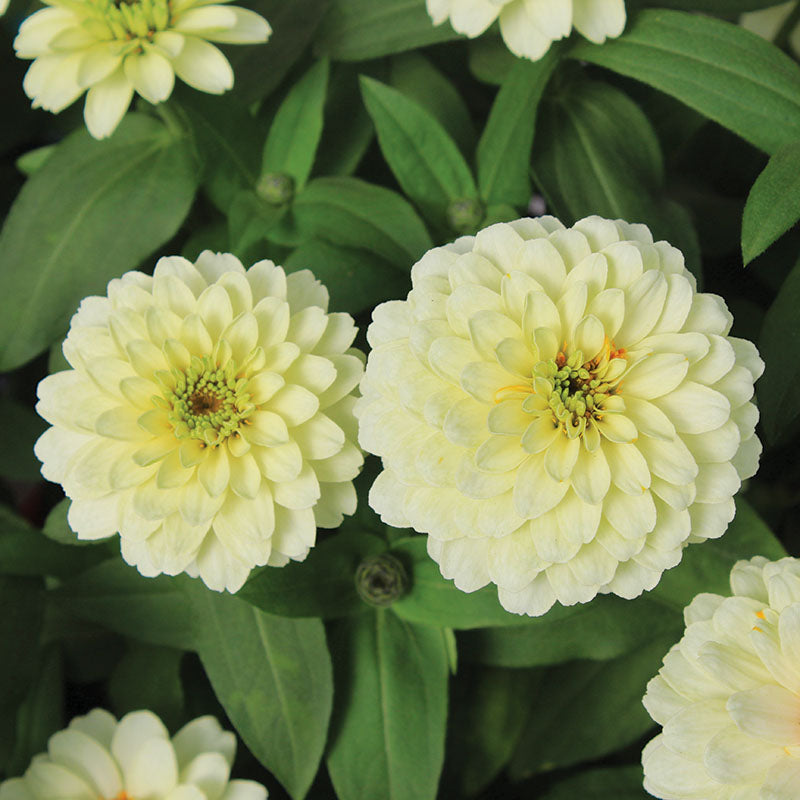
[207, 417]
[770, 22]
[113, 48]
[529, 27]
[558, 409]
[728, 694]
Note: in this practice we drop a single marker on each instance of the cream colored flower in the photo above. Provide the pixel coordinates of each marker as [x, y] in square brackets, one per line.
[728, 694]
[529, 27]
[113, 48]
[558, 409]
[98, 758]
[207, 417]
[3, 6]
[767, 22]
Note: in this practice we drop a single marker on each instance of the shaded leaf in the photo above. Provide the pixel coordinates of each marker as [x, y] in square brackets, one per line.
[355, 30]
[773, 204]
[504, 149]
[727, 73]
[586, 709]
[121, 197]
[779, 387]
[353, 213]
[610, 783]
[273, 677]
[387, 737]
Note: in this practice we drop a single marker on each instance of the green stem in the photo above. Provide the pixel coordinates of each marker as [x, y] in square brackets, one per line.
[170, 118]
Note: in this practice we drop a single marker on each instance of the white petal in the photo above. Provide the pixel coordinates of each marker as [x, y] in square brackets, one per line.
[106, 104]
[203, 67]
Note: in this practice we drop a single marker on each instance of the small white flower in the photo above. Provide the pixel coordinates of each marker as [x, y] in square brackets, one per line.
[728, 694]
[98, 758]
[558, 409]
[113, 48]
[207, 417]
[529, 27]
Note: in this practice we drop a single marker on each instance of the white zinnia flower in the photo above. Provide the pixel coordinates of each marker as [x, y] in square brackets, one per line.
[728, 694]
[207, 418]
[559, 410]
[98, 758]
[113, 48]
[4, 6]
[529, 27]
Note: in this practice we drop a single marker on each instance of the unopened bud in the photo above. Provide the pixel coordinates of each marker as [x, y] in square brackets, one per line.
[381, 579]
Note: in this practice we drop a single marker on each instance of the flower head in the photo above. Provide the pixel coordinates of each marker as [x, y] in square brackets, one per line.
[728, 694]
[113, 48]
[558, 409]
[529, 27]
[97, 756]
[207, 417]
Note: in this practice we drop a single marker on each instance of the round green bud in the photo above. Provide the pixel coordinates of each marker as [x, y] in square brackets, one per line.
[465, 215]
[275, 188]
[381, 579]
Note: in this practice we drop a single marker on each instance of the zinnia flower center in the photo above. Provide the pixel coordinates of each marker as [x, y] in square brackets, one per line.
[132, 19]
[577, 391]
[208, 402]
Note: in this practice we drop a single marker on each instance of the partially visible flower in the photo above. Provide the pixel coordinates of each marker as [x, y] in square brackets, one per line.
[558, 409]
[728, 694]
[767, 22]
[98, 757]
[4, 6]
[113, 48]
[207, 417]
[529, 27]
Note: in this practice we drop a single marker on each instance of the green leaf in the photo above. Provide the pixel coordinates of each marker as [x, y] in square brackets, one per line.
[321, 586]
[273, 677]
[94, 210]
[609, 783]
[597, 153]
[415, 77]
[490, 60]
[773, 204]
[356, 279]
[605, 628]
[706, 566]
[779, 388]
[250, 219]
[723, 71]
[40, 715]
[149, 677]
[353, 213]
[486, 722]
[504, 149]
[348, 128]
[433, 600]
[115, 596]
[21, 428]
[22, 604]
[587, 709]
[24, 550]
[387, 736]
[355, 30]
[229, 141]
[425, 160]
[296, 130]
[260, 69]
[717, 6]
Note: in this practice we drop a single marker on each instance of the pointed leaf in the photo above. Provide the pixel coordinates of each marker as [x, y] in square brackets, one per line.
[773, 205]
[727, 73]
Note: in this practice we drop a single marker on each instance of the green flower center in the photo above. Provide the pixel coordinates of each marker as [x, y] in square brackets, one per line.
[133, 19]
[208, 402]
[577, 391]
